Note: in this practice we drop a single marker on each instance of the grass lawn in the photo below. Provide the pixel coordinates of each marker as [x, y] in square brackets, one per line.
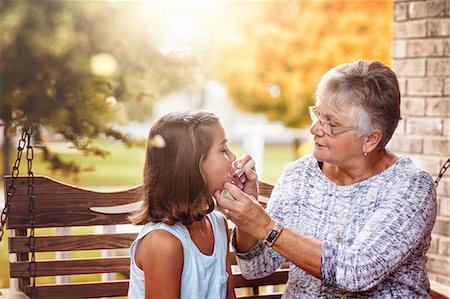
[121, 169]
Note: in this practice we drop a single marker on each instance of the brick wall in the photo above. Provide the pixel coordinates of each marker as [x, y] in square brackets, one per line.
[421, 59]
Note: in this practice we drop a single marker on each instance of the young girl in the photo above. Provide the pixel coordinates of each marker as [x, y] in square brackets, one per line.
[182, 249]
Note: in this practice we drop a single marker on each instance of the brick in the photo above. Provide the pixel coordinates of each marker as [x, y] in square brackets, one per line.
[440, 279]
[447, 127]
[425, 87]
[399, 50]
[413, 106]
[402, 86]
[438, 106]
[447, 10]
[444, 208]
[401, 127]
[436, 146]
[400, 11]
[434, 245]
[427, 47]
[438, 27]
[411, 29]
[447, 87]
[417, 10]
[424, 126]
[438, 264]
[438, 67]
[444, 246]
[436, 8]
[430, 163]
[443, 188]
[407, 144]
[442, 226]
[408, 67]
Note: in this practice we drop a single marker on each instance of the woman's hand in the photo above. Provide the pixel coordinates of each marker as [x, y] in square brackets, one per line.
[248, 181]
[245, 211]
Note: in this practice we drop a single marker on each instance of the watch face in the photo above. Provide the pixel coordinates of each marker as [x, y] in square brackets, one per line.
[271, 236]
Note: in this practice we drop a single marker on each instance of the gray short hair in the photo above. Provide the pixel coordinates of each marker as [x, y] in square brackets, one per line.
[370, 90]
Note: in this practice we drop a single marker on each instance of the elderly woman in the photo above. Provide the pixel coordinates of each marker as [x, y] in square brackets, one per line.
[353, 218]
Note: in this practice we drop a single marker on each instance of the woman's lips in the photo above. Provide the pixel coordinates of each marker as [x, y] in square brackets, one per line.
[317, 143]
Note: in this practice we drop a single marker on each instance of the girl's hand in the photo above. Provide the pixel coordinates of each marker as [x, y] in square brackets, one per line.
[248, 181]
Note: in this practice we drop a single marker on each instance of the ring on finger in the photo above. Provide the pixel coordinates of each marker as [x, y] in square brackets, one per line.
[226, 211]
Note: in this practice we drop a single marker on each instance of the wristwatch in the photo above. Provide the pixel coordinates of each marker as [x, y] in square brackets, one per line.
[274, 234]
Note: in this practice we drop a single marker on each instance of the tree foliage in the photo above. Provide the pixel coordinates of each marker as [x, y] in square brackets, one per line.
[46, 67]
[271, 54]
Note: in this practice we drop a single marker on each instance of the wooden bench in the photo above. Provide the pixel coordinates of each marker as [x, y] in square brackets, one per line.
[58, 205]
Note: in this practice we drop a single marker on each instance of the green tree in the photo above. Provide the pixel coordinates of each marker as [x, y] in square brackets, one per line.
[48, 74]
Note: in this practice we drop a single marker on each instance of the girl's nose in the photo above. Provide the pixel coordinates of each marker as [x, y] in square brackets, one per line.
[233, 156]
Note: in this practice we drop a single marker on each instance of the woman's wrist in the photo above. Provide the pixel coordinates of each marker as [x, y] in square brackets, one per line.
[242, 241]
[273, 235]
[266, 228]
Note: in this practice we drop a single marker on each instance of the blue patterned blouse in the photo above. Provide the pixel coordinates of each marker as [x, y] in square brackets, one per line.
[375, 233]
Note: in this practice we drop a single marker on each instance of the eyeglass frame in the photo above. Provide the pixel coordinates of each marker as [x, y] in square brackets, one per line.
[325, 124]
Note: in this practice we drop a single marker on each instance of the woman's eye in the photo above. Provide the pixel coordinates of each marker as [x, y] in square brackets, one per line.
[331, 123]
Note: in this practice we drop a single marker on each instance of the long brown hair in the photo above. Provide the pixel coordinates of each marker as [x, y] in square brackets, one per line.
[175, 188]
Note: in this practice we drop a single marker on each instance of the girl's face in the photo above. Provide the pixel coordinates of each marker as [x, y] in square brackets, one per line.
[217, 165]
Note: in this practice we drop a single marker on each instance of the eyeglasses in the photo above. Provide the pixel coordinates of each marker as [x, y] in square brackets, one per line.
[325, 123]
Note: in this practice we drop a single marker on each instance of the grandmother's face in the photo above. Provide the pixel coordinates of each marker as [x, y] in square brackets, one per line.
[338, 147]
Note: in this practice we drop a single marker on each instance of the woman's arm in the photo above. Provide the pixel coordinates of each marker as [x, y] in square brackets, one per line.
[160, 256]
[385, 242]
[388, 239]
[256, 223]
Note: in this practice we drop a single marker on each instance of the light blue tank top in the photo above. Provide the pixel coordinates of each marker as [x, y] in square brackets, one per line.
[203, 276]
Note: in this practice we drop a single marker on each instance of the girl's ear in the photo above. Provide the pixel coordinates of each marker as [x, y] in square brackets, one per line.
[371, 140]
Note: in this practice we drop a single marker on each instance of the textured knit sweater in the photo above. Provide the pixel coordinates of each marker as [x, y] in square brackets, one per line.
[375, 233]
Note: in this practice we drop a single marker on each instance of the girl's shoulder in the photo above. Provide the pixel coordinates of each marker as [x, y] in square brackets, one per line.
[218, 219]
[177, 230]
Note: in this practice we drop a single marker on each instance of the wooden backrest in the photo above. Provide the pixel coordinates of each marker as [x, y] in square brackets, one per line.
[58, 205]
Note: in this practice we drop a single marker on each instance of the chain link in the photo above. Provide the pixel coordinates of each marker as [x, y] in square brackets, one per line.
[25, 141]
[26, 132]
[31, 215]
[442, 171]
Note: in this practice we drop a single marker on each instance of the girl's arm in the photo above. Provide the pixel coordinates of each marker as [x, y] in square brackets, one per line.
[160, 256]
[230, 283]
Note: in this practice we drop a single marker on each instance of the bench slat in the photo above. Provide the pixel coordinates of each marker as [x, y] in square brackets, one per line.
[74, 242]
[264, 296]
[83, 290]
[72, 267]
[61, 205]
[278, 277]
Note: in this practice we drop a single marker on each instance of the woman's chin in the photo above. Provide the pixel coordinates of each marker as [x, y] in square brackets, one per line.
[318, 153]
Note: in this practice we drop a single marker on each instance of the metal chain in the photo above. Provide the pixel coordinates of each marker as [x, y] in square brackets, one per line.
[442, 171]
[31, 215]
[26, 131]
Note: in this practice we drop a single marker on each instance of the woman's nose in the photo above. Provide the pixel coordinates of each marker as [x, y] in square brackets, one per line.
[316, 129]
